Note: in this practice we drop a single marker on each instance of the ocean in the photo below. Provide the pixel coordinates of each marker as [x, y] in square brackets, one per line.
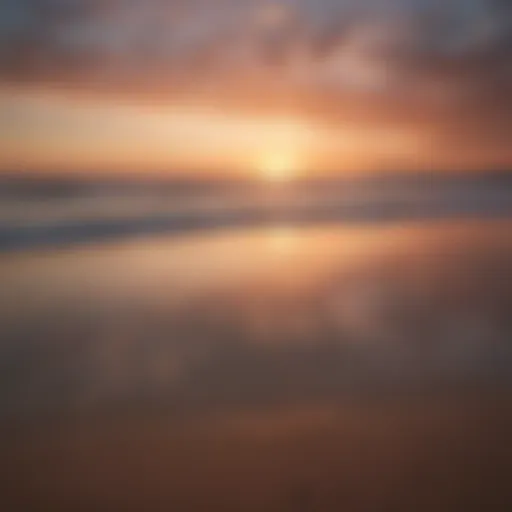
[316, 346]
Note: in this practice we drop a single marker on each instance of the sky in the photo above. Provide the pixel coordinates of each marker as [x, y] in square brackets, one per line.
[254, 88]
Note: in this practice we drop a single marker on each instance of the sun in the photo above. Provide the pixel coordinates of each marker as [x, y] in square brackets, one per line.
[277, 168]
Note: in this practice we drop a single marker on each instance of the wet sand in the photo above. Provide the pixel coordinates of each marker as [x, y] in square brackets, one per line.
[321, 369]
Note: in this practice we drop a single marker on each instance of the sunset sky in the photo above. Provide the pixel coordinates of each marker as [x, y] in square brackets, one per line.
[245, 87]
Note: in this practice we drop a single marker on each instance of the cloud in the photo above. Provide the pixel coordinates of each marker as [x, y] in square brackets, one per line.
[442, 66]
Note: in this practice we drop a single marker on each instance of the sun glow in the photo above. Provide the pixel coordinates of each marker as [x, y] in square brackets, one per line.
[277, 168]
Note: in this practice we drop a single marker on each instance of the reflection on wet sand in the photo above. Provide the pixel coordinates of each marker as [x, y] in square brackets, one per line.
[361, 368]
